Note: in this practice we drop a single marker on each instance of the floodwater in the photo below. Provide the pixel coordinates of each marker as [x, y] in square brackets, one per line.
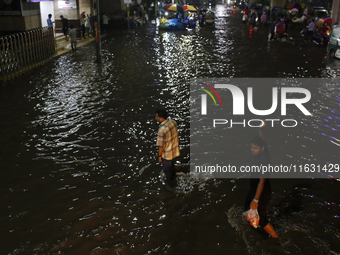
[78, 155]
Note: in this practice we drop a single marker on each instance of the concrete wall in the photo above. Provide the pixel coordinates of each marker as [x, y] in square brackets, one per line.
[84, 6]
[33, 21]
[19, 24]
[335, 11]
[31, 16]
[46, 7]
[280, 3]
[29, 19]
[68, 14]
[12, 23]
[112, 7]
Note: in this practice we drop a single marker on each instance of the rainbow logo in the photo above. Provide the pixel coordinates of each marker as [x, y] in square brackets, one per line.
[204, 97]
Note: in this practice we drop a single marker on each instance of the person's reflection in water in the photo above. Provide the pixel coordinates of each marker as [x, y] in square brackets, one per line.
[260, 190]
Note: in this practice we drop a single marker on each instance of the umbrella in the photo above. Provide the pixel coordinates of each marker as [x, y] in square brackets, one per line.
[294, 10]
[329, 21]
[296, 5]
[81, 14]
[189, 8]
[174, 8]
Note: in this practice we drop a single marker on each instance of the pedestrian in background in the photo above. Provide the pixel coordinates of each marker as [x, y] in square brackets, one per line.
[64, 23]
[49, 21]
[105, 22]
[272, 27]
[305, 11]
[91, 23]
[310, 30]
[73, 36]
[82, 24]
[263, 18]
[87, 25]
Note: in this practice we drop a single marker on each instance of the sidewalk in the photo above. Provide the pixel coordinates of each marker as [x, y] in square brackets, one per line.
[63, 46]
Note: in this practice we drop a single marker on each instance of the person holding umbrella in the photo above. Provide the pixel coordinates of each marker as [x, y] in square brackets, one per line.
[245, 13]
[176, 8]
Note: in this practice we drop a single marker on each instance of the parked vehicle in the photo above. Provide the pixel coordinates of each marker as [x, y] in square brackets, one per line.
[319, 12]
[334, 42]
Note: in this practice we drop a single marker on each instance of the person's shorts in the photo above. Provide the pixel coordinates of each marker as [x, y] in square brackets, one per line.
[65, 30]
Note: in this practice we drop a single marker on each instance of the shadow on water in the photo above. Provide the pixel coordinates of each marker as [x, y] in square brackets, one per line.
[76, 135]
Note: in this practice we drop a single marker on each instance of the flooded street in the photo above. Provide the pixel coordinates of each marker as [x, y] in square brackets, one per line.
[78, 157]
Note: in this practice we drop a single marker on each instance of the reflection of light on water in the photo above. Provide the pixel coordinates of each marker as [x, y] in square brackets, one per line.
[117, 208]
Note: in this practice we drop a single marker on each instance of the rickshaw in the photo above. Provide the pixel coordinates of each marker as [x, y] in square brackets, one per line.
[210, 18]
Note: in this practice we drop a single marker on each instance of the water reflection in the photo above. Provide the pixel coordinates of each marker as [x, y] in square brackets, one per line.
[76, 136]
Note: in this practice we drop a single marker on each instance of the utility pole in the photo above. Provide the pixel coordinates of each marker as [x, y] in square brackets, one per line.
[128, 15]
[97, 31]
[335, 11]
[128, 2]
[156, 3]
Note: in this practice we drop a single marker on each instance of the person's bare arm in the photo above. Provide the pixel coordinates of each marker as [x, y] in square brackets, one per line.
[253, 204]
[262, 132]
[160, 152]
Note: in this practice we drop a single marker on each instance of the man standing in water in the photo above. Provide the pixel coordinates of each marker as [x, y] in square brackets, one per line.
[260, 190]
[167, 142]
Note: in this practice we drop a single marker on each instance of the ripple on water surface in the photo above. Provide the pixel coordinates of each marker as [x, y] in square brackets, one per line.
[76, 136]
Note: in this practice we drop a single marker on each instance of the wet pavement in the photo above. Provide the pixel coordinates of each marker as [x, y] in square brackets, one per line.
[75, 135]
[63, 46]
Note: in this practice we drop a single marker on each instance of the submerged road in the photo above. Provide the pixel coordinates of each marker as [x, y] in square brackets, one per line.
[75, 135]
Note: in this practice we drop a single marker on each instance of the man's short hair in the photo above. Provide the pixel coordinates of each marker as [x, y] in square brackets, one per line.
[49, 15]
[162, 113]
[61, 16]
[71, 26]
[258, 141]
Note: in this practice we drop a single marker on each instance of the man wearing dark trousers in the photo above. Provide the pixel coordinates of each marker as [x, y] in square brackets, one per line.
[260, 190]
[167, 142]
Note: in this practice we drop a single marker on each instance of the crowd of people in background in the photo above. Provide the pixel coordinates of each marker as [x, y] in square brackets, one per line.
[278, 24]
[86, 28]
[86, 22]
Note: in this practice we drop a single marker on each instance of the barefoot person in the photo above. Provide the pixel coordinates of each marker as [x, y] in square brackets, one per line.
[73, 36]
[259, 195]
[167, 142]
